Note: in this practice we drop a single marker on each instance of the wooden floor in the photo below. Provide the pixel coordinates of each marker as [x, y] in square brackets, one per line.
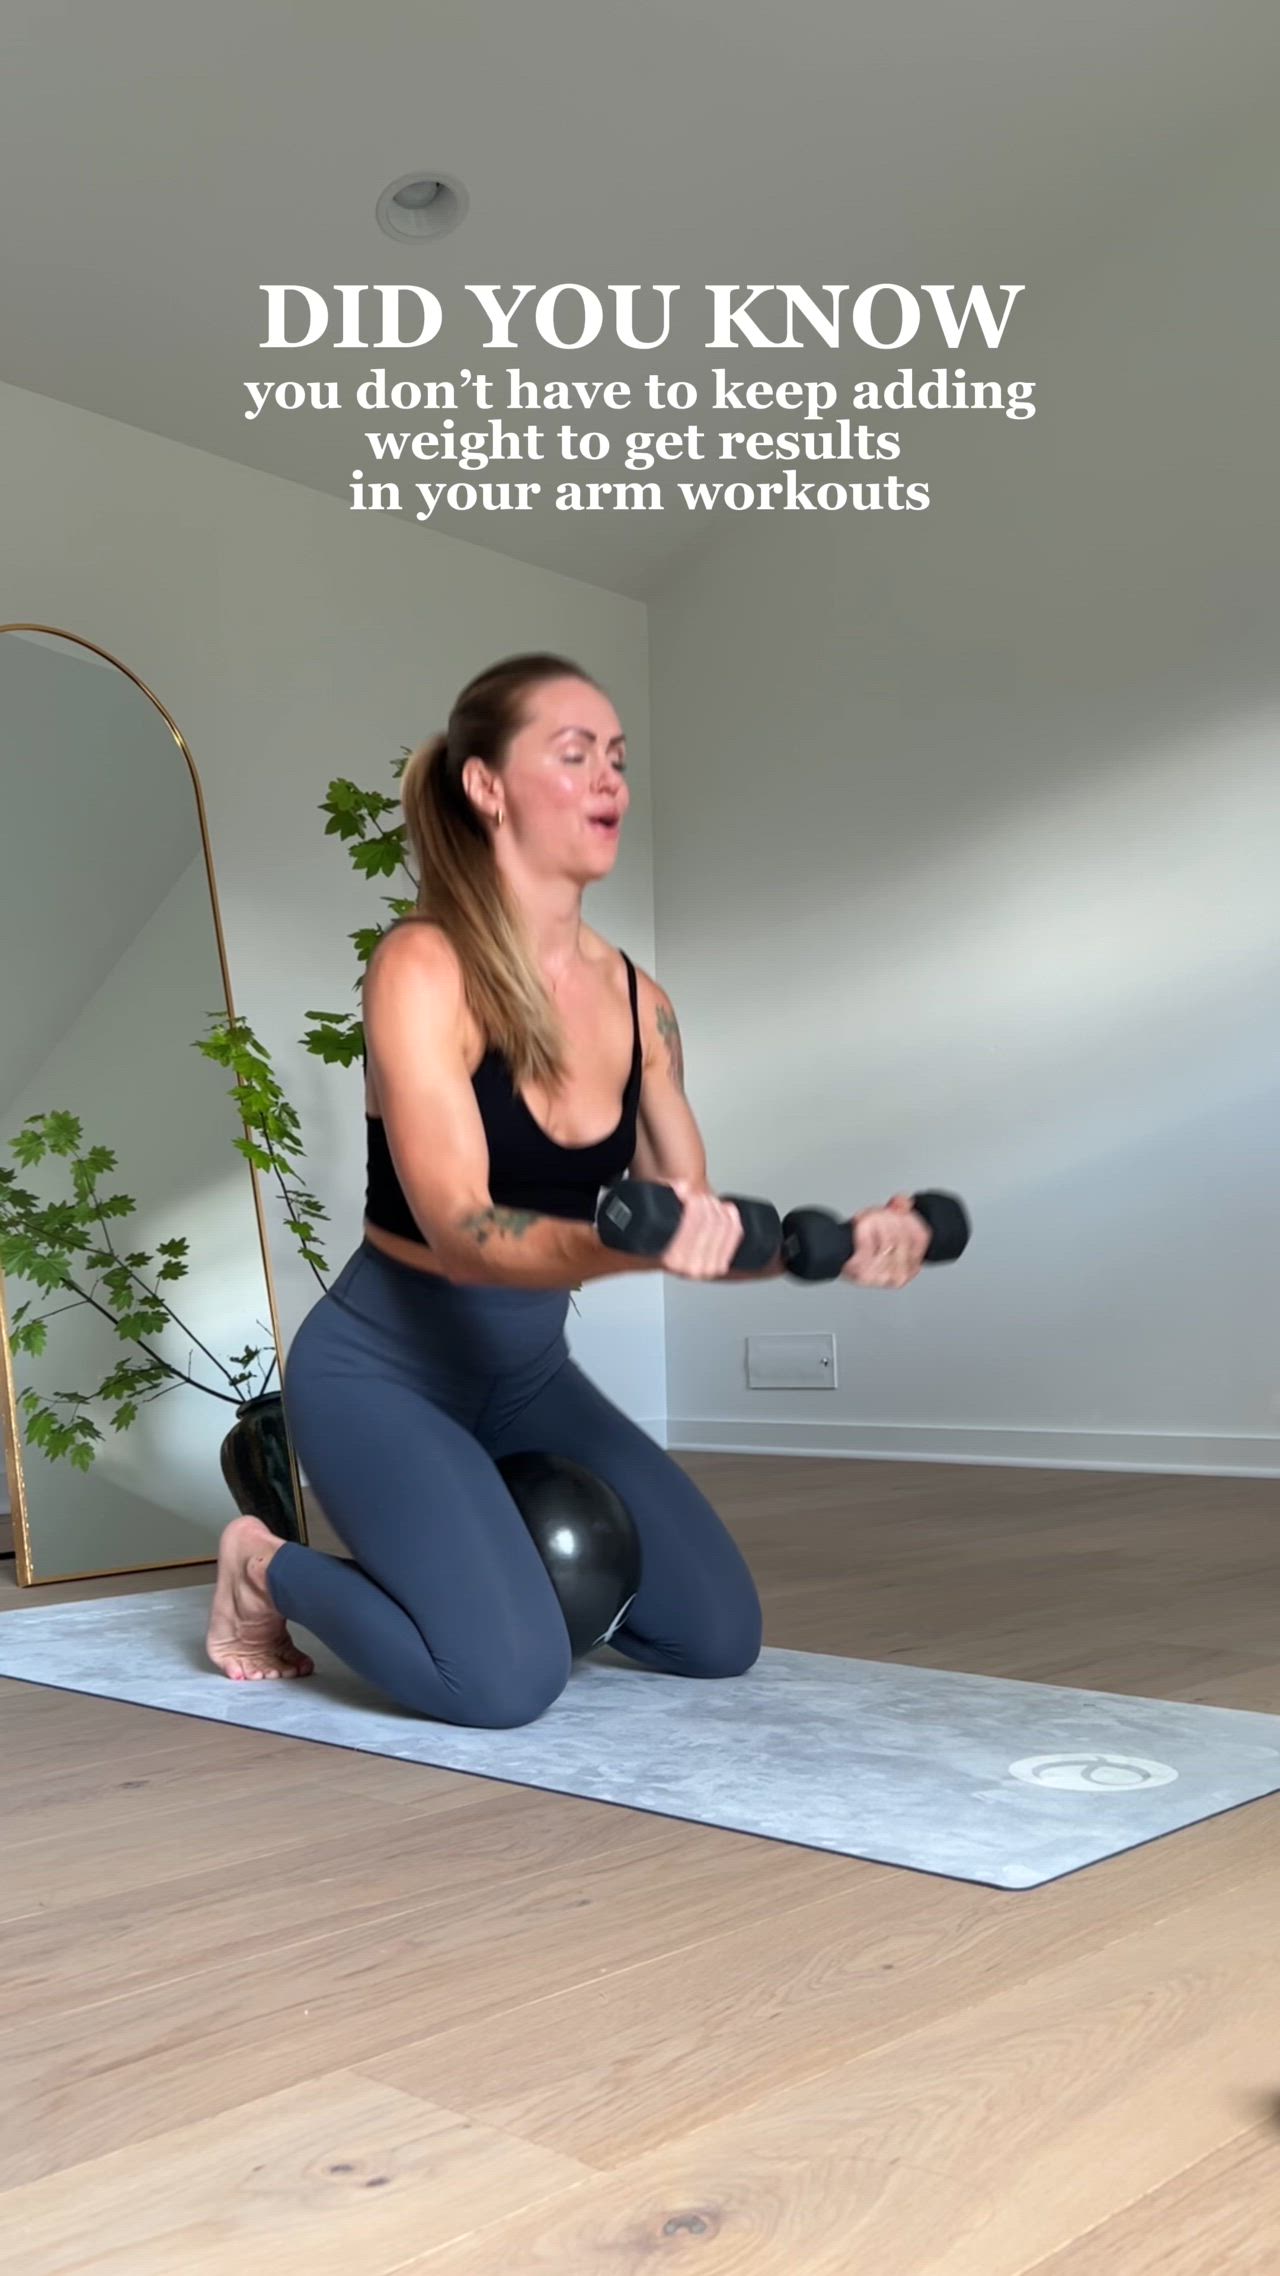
[272, 2006]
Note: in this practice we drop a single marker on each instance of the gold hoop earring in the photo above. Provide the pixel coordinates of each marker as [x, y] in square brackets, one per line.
[498, 819]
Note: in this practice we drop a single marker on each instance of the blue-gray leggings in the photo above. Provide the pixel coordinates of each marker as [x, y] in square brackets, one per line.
[401, 1392]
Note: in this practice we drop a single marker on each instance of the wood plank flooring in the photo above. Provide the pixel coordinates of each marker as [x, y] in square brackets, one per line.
[265, 2004]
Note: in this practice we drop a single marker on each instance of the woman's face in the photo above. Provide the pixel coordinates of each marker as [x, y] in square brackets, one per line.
[563, 785]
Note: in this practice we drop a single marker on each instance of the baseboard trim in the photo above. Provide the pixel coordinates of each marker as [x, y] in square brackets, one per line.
[1172, 1453]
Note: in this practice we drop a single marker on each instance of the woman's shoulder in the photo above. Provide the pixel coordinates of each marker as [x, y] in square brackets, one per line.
[613, 967]
[413, 955]
[654, 1008]
[415, 944]
[414, 983]
[611, 958]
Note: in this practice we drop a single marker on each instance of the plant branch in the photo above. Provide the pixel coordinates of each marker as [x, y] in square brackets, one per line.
[155, 1295]
[287, 1199]
[228, 1397]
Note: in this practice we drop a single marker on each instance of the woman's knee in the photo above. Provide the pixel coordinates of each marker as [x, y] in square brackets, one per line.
[507, 1704]
[729, 1636]
[506, 1690]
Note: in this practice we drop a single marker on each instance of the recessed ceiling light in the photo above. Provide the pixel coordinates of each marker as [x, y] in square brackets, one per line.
[421, 205]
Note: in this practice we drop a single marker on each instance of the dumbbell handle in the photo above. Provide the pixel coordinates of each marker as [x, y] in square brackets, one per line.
[823, 1243]
[641, 1218]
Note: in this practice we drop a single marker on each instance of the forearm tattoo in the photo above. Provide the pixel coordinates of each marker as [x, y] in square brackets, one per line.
[670, 1034]
[483, 1224]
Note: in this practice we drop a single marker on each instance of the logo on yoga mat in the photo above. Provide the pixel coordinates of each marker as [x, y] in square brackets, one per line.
[1092, 1773]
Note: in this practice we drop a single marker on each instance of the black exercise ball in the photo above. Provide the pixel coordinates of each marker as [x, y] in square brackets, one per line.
[585, 1537]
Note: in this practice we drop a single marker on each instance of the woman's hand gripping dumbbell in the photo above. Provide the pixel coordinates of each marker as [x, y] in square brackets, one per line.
[698, 1235]
[703, 1236]
[880, 1248]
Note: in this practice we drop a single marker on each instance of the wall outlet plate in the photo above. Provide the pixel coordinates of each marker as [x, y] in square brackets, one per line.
[791, 1363]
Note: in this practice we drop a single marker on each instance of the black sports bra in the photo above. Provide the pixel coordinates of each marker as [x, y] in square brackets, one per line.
[527, 1170]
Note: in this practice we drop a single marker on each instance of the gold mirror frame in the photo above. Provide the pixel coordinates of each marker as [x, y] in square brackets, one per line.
[27, 1578]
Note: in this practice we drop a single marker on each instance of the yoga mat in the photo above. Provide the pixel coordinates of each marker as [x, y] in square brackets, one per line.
[964, 1776]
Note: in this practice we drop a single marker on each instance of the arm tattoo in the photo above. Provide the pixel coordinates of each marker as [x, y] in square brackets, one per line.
[482, 1224]
[670, 1034]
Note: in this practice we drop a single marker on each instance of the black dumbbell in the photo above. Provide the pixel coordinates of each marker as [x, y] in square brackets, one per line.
[642, 1219]
[817, 1245]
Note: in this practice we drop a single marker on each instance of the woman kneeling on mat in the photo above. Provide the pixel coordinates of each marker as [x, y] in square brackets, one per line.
[502, 1036]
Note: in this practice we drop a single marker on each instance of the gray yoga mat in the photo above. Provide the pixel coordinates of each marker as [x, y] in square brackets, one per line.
[1008, 1784]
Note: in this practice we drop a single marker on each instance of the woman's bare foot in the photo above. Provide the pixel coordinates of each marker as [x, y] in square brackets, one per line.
[247, 1637]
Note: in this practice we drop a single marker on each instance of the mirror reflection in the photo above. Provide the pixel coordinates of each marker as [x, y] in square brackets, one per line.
[140, 1395]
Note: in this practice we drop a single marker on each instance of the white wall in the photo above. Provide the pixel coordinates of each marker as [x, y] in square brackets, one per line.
[968, 838]
[293, 641]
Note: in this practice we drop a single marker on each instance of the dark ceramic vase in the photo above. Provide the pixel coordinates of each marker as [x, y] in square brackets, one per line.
[255, 1464]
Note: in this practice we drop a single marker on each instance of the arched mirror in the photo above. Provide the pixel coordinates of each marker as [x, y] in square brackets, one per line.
[140, 1392]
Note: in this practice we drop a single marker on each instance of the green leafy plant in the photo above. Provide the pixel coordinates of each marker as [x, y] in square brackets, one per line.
[66, 1248]
[377, 849]
[272, 1138]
